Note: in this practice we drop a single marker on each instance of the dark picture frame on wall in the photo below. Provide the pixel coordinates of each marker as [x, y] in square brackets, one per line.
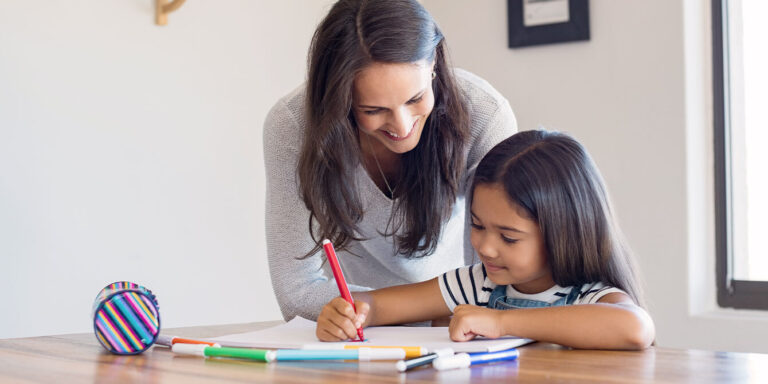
[537, 22]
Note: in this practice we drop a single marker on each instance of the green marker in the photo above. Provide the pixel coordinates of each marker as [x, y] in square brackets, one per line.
[206, 351]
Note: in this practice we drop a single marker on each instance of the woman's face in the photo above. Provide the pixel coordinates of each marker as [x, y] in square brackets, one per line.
[509, 244]
[391, 103]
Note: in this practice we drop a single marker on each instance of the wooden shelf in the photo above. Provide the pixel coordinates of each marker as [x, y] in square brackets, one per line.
[163, 8]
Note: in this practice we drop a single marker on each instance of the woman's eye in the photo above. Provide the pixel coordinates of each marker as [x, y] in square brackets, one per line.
[508, 240]
[414, 101]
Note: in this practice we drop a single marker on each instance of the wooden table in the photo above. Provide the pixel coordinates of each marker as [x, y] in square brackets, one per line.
[79, 358]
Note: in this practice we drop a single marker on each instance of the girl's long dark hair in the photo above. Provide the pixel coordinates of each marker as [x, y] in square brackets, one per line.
[355, 34]
[553, 179]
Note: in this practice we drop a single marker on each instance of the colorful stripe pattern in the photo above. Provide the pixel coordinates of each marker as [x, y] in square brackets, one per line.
[126, 318]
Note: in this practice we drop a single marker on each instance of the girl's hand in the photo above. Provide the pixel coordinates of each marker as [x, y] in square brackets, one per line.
[338, 321]
[470, 321]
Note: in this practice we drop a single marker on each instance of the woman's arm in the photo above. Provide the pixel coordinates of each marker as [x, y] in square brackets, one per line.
[300, 286]
[614, 322]
[394, 305]
[491, 117]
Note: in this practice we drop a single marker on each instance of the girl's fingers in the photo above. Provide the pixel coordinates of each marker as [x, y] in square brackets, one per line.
[460, 335]
[329, 328]
[362, 313]
[343, 307]
[345, 327]
[328, 335]
[338, 320]
[459, 329]
[325, 329]
[342, 315]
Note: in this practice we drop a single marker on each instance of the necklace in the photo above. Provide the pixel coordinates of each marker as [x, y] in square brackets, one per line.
[378, 165]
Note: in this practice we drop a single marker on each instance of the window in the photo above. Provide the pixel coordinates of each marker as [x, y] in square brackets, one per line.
[740, 81]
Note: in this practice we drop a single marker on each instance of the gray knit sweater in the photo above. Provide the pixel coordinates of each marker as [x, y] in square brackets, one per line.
[303, 286]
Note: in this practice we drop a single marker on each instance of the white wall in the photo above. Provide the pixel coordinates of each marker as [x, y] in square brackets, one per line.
[637, 95]
[133, 151]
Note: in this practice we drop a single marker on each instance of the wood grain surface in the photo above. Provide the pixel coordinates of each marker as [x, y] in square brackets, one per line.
[80, 358]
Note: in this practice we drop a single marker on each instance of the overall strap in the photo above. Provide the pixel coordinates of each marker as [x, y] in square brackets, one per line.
[574, 295]
[498, 293]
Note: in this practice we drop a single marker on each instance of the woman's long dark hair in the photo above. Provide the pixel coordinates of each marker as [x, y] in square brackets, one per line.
[553, 179]
[355, 34]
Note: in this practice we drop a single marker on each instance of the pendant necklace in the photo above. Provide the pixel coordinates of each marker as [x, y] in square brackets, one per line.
[381, 171]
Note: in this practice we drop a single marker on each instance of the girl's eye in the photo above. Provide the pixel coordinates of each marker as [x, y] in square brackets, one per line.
[372, 112]
[508, 240]
[476, 226]
[414, 101]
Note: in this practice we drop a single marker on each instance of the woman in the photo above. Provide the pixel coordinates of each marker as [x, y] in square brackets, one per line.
[375, 152]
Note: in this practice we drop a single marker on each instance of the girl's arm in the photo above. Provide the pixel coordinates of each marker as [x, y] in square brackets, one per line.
[394, 305]
[614, 322]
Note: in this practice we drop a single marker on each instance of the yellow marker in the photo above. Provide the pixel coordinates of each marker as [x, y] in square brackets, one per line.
[410, 351]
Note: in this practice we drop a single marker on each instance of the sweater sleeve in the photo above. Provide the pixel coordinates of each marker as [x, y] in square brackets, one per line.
[301, 286]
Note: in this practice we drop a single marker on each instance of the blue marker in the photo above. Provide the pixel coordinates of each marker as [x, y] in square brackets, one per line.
[463, 360]
[361, 354]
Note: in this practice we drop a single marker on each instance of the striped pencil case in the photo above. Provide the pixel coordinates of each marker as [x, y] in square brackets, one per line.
[126, 319]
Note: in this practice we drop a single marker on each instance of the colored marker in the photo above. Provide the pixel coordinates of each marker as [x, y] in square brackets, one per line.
[361, 354]
[410, 352]
[206, 351]
[330, 253]
[404, 365]
[171, 340]
[463, 360]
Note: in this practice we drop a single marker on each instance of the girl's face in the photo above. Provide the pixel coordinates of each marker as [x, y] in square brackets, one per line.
[510, 245]
[392, 102]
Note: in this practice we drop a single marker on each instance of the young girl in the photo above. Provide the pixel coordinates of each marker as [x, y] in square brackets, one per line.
[546, 237]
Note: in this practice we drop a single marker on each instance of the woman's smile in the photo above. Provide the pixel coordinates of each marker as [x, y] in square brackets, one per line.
[395, 137]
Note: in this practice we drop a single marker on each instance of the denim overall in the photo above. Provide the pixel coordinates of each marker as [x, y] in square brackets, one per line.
[499, 300]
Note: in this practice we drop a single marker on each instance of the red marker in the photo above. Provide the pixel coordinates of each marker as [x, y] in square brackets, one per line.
[330, 253]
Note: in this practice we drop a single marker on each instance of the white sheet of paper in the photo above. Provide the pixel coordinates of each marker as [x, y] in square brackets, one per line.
[300, 333]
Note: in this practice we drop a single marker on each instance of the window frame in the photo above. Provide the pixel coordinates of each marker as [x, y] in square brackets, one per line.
[731, 292]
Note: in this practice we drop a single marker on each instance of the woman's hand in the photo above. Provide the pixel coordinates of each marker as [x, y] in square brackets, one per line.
[338, 320]
[470, 321]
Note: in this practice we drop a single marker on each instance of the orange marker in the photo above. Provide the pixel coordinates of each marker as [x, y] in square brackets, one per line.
[171, 340]
[410, 351]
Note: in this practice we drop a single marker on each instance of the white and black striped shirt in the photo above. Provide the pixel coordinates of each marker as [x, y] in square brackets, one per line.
[471, 285]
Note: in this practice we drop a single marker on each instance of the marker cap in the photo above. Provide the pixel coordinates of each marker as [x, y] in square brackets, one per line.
[460, 360]
[189, 349]
[165, 340]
